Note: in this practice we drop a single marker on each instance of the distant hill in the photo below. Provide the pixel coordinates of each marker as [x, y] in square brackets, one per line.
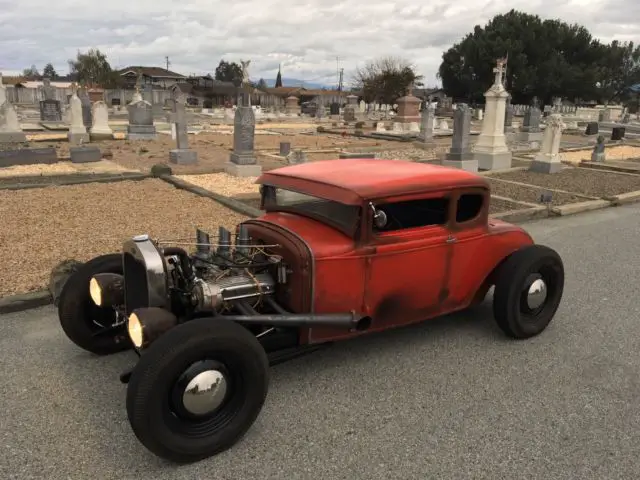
[294, 82]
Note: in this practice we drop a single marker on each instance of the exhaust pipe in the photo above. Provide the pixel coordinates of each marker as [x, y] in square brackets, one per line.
[348, 320]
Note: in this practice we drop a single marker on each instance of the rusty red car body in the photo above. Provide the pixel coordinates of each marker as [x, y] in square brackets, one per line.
[343, 248]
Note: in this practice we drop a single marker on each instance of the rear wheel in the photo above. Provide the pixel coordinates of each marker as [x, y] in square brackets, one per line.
[95, 329]
[528, 289]
[197, 389]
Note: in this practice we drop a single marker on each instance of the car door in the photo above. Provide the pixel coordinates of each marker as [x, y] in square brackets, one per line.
[408, 264]
[469, 241]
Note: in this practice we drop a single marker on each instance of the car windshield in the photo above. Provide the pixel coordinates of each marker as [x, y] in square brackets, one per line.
[345, 218]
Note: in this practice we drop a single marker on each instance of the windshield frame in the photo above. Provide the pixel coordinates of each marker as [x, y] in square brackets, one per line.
[268, 202]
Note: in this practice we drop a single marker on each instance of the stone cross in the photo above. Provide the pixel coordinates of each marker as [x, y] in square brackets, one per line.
[498, 70]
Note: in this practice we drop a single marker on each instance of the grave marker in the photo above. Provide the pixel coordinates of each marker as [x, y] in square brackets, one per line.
[548, 159]
[181, 155]
[459, 155]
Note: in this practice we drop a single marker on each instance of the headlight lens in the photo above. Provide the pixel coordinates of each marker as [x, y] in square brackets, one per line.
[134, 326]
[95, 291]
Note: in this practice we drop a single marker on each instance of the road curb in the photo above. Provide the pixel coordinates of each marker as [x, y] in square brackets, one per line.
[80, 181]
[624, 198]
[522, 215]
[234, 205]
[573, 208]
[25, 301]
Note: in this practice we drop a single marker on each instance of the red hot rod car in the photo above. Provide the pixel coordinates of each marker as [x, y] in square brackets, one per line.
[344, 248]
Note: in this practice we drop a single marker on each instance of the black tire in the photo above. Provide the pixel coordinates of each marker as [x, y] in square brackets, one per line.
[157, 417]
[513, 279]
[81, 319]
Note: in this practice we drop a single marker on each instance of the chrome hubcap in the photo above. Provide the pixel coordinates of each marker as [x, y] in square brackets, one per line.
[205, 392]
[537, 294]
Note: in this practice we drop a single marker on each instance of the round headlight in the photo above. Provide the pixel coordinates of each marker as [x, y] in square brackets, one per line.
[134, 326]
[95, 291]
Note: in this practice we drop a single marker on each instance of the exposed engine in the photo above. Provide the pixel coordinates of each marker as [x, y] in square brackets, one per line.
[225, 272]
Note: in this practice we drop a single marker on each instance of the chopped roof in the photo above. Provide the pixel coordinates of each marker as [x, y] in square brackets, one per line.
[351, 181]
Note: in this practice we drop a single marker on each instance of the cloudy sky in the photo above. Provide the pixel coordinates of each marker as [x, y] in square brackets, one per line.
[305, 36]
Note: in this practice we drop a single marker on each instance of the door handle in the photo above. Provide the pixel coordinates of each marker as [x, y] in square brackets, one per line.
[451, 239]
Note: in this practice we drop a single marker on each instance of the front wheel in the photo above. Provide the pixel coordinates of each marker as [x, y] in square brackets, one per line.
[197, 389]
[95, 329]
[528, 289]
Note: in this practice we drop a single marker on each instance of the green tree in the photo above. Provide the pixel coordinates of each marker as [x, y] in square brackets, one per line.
[49, 71]
[278, 78]
[545, 59]
[31, 73]
[386, 79]
[93, 68]
[229, 72]
[619, 70]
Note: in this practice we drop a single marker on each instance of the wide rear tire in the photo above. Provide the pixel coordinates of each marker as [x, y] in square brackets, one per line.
[528, 289]
[81, 319]
[183, 423]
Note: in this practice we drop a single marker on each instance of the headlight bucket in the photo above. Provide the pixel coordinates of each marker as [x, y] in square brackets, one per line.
[145, 325]
[107, 289]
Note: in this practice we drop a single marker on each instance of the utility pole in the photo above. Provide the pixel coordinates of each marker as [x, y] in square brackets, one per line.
[166, 59]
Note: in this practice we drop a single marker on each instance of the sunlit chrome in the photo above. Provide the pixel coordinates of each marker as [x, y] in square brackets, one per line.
[205, 392]
[537, 294]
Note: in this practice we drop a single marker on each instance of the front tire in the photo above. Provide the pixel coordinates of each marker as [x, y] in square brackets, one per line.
[197, 389]
[528, 289]
[82, 320]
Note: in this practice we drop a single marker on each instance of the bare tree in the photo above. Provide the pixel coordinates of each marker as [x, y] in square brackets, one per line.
[385, 79]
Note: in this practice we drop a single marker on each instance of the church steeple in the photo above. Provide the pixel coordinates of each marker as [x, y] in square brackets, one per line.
[279, 78]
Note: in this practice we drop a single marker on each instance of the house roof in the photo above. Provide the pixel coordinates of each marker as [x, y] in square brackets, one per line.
[352, 181]
[38, 83]
[151, 72]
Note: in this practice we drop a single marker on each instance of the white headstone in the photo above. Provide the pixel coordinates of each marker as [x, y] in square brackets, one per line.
[75, 115]
[9, 118]
[548, 159]
[100, 115]
[443, 125]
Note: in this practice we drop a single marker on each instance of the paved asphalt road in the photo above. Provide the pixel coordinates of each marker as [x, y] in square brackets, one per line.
[450, 399]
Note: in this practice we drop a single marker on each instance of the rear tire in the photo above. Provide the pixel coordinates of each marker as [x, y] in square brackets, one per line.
[160, 405]
[80, 318]
[528, 289]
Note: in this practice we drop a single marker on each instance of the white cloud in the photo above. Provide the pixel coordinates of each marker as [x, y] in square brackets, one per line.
[305, 36]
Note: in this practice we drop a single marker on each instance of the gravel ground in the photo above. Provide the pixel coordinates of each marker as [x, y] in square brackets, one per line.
[529, 194]
[52, 179]
[222, 183]
[42, 227]
[591, 182]
[449, 399]
[62, 168]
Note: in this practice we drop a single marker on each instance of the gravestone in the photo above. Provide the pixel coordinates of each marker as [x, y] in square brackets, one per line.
[207, 103]
[334, 108]
[508, 117]
[77, 131]
[50, 111]
[548, 159]
[349, 112]
[242, 162]
[48, 91]
[531, 131]
[115, 102]
[10, 130]
[427, 123]
[85, 154]
[181, 155]
[617, 133]
[459, 154]
[626, 118]
[491, 151]
[147, 93]
[85, 101]
[28, 156]
[604, 115]
[100, 129]
[3, 92]
[320, 110]
[285, 148]
[296, 156]
[598, 154]
[141, 125]
[592, 128]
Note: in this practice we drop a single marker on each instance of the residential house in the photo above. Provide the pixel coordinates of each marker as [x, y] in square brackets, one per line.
[155, 76]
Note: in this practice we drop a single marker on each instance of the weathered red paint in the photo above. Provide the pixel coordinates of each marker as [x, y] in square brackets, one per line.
[396, 278]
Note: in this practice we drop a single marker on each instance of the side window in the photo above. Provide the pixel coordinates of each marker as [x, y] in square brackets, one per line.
[412, 214]
[469, 207]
